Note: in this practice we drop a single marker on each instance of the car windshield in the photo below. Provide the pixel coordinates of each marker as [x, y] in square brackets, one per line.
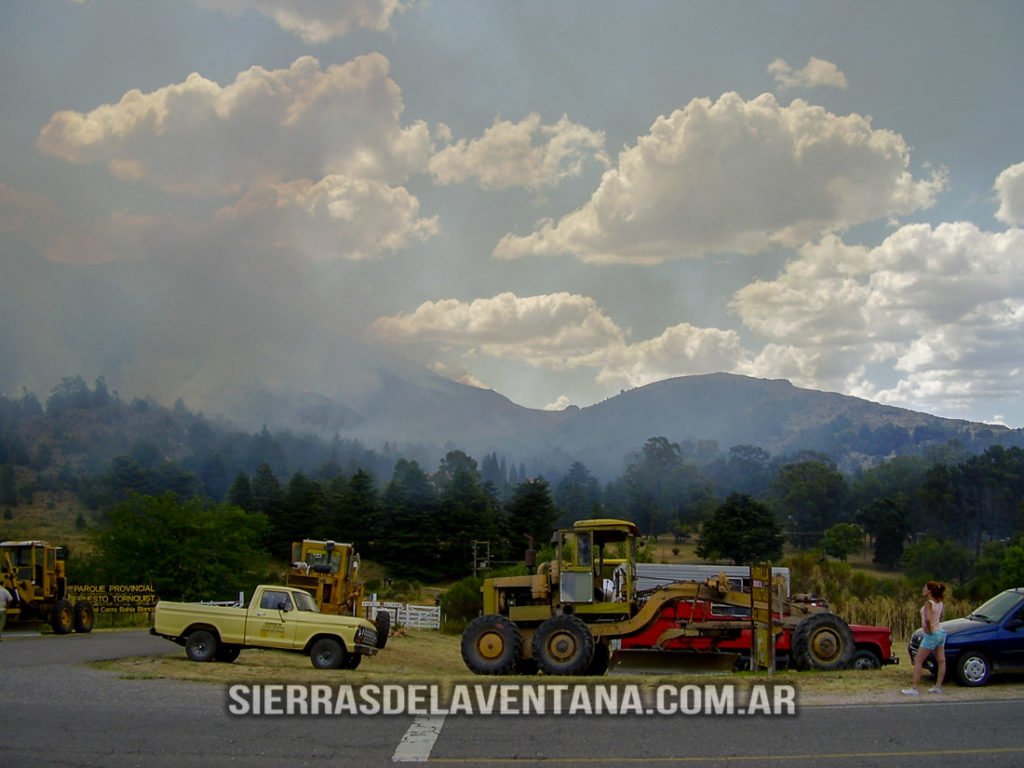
[995, 609]
[304, 602]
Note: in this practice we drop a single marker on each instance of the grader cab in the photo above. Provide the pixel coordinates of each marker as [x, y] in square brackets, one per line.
[564, 618]
[329, 571]
[33, 572]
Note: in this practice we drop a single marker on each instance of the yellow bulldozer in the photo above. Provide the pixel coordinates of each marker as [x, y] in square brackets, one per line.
[329, 571]
[564, 618]
[33, 572]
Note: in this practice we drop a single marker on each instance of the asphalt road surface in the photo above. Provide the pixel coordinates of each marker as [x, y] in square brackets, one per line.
[56, 711]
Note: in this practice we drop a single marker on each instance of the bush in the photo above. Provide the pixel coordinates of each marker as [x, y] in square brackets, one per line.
[460, 604]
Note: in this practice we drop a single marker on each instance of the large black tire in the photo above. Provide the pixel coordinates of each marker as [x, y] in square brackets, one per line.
[62, 619]
[822, 641]
[492, 645]
[85, 617]
[563, 645]
[226, 653]
[351, 660]
[327, 653]
[599, 664]
[864, 659]
[973, 669]
[527, 667]
[201, 646]
[383, 624]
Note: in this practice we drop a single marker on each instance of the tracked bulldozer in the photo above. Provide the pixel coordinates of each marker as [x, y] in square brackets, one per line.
[565, 618]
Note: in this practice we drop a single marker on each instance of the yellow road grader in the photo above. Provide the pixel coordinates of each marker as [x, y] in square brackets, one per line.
[329, 571]
[33, 572]
[564, 618]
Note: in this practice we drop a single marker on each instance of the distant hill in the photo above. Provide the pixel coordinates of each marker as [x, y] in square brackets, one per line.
[437, 414]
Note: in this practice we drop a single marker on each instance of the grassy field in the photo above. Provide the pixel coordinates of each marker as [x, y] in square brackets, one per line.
[421, 656]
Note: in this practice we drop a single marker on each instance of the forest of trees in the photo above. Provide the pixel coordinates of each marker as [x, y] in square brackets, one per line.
[946, 515]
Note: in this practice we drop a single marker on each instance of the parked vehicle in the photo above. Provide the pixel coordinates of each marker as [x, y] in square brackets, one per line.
[872, 646]
[33, 572]
[988, 641]
[565, 617]
[329, 571]
[284, 618]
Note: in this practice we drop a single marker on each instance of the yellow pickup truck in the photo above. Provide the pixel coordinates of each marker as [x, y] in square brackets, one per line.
[284, 618]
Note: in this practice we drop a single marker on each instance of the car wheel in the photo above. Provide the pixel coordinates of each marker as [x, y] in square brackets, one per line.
[227, 653]
[973, 669]
[201, 646]
[865, 659]
[327, 653]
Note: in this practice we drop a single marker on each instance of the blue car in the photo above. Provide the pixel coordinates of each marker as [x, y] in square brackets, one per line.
[989, 640]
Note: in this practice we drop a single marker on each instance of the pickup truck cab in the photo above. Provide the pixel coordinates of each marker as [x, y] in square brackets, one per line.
[283, 618]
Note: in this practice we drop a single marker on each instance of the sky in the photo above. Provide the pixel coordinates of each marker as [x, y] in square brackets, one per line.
[555, 200]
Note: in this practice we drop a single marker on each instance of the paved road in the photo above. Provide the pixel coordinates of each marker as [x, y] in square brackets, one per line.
[58, 712]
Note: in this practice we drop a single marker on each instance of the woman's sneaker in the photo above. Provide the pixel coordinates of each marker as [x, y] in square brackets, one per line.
[911, 692]
[936, 689]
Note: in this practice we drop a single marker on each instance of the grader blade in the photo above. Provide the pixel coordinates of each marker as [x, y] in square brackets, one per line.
[658, 662]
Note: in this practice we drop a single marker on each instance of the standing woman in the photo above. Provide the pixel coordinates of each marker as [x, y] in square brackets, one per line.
[934, 640]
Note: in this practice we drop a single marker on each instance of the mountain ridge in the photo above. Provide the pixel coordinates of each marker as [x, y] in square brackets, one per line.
[726, 409]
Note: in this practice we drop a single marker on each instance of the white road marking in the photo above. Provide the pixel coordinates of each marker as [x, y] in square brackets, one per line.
[415, 746]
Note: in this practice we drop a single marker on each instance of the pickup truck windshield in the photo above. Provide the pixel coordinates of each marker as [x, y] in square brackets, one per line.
[304, 602]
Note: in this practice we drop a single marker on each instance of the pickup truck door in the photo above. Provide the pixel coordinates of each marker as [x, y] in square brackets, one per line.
[270, 623]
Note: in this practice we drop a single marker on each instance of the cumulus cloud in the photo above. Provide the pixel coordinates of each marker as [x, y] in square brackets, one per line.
[817, 72]
[314, 152]
[938, 305]
[678, 351]
[1009, 189]
[318, 21]
[736, 176]
[564, 331]
[197, 136]
[560, 404]
[552, 330]
[524, 154]
[335, 217]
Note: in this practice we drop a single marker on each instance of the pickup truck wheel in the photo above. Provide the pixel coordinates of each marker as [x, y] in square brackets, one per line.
[563, 645]
[823, 641]
[201, 646]
[492, 645]
[351, 660]
[327, 653]
[226, 653]
[85, 617]
[383, 623]
[865, 659]
[63, 617]
[973, 669]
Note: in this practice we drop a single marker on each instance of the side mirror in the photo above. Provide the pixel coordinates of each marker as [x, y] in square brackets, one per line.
[283, 606]
[1014, 624]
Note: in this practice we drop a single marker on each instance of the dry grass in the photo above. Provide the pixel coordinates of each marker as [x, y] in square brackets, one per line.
[421, 656]
[50, 517]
